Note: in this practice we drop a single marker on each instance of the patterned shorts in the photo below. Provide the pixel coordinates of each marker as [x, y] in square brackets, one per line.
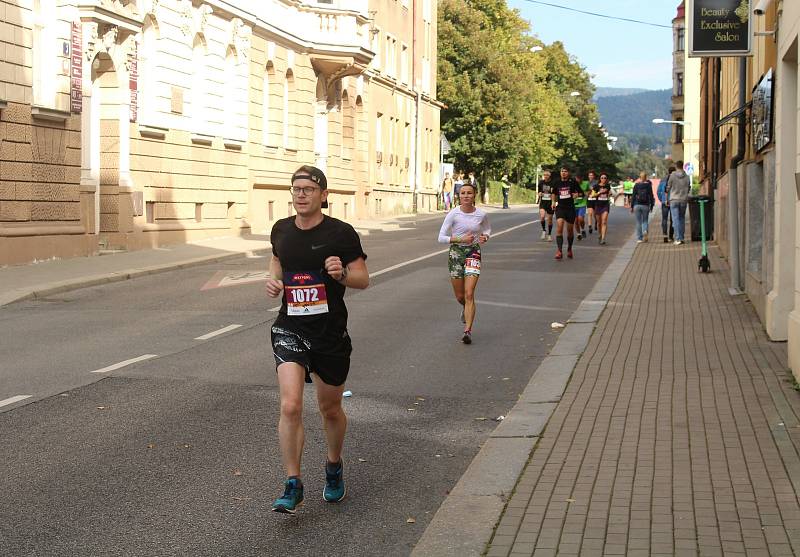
[464, 260]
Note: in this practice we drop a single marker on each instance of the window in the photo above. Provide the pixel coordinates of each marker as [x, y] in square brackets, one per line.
[266, 121]
[404, 70]
[678, 84]
[44, 53]
[680, 39]
[678, 133]
[348, 128]
[199, 81]
[376, 48]
[147, 71]
[288, 111]
[379, 133]
[230, 119]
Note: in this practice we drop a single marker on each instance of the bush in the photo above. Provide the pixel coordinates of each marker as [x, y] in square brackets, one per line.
[519, 194]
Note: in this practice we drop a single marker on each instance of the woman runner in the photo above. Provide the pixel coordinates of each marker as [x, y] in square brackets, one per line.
[465, 228]
[602, 205]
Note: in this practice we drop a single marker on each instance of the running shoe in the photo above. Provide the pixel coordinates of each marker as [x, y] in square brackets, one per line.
[467, 338]
[603, 241]
[579, 236]
[291, 499]
[559, 256]
[590, 230]
[645, 237]
[544, 235]
[666, 240]
[334, 483]
[549, 238]
[569, 253]
[639, 241]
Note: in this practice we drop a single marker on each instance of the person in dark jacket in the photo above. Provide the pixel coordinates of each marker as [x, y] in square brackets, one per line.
[663, 198]
[642, 202]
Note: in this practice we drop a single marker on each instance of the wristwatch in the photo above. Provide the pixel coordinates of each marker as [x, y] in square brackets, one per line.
[344, 274]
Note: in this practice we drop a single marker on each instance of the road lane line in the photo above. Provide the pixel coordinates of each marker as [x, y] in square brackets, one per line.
[125, 363]
[428, 256]
[441, 251]
[217, 332]
[13, 399]
[517, 306]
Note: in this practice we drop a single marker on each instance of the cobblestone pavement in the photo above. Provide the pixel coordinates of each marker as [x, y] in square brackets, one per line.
[678, 433]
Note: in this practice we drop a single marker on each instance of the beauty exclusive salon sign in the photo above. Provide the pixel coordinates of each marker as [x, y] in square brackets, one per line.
[719, 27]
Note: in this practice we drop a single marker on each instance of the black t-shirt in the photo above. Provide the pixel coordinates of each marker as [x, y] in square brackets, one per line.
[564, 190]
[308, 289]
[602, 193]
[545, 190]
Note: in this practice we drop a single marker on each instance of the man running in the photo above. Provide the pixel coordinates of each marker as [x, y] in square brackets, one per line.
[545, 192]
[314, 258]
[580, 208]
[566, 191]
[465, 228]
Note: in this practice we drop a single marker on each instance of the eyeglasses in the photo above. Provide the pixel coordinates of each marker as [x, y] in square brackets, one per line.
[305, 190]
[604, 177]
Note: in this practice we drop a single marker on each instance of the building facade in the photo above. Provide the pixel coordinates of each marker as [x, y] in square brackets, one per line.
[685, 96]
[131, 124]
[749, 163]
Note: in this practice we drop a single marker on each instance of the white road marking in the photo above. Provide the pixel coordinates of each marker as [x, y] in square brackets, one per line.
[125, 363]
[517, 306]
[428, 256]
[441, 251]
[13, 399]
[217, 332]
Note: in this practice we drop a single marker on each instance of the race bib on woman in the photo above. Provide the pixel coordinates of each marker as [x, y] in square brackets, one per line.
[305, 293]
[472, 265]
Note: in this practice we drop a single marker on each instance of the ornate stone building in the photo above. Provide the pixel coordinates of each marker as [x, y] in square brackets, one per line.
[129, 124]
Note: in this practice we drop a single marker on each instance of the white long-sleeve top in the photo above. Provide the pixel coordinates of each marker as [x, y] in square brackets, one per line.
[459, 223]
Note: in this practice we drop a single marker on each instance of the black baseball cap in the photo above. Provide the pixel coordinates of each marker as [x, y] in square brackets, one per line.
[308, 172]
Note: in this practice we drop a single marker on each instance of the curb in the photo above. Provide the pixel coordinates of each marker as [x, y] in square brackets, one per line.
[106, 278]
[465, 522]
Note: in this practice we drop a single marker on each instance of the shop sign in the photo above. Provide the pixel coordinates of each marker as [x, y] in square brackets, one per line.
[76, 69]
[762, 111]
[719, 27]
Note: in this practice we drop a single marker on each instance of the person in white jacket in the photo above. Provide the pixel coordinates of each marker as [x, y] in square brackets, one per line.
[465, 228]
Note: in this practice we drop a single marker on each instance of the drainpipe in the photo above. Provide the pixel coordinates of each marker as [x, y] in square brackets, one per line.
[415, 89]
[733, 195]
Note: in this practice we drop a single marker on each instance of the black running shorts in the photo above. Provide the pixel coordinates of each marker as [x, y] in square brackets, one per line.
[331, 364]
[568, 214]
[547, 205]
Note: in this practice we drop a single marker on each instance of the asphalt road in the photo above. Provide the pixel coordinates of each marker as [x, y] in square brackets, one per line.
[177, 454]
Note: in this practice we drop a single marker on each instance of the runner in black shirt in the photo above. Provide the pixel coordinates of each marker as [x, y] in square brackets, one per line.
[566, 191]
[314, 257]
[602, 206]
[545, 193]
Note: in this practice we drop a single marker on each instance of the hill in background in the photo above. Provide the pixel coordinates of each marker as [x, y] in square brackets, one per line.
[629, 117]
[615, 92]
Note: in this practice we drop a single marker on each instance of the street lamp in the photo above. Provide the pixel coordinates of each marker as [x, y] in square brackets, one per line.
[662, 121]
[536, 48]
[575, 94]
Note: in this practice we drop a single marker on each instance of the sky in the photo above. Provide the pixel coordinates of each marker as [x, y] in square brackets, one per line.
[615, 53]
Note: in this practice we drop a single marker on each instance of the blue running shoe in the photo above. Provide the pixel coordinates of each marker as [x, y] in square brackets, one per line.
[334, 483]
[292, 497]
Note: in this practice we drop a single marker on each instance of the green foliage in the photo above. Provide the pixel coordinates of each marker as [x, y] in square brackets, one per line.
[518, 195]
[510, 109]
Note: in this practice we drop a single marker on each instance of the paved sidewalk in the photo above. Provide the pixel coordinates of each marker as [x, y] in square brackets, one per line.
[678, 433]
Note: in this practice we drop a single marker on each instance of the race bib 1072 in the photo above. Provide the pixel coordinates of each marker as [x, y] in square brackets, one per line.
[305, 293]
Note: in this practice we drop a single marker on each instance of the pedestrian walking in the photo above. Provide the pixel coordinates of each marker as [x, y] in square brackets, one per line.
[679, 187]
[602, 206]
[465, 228]
[544, 190]
[314, 259]
[567, 191]
[642, 203]
[457, 183]
[506, 186]
[667, 230]
[447, 191]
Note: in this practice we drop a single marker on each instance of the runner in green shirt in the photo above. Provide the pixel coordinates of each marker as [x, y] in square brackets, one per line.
[627, 189]
[580, 210]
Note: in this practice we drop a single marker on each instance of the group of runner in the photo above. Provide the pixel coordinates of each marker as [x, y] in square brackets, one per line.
[574, 205]
[315, 257]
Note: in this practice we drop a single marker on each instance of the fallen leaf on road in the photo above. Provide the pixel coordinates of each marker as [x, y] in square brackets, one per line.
[411, 409]
[506, 378]
[481, 419]
[362, 460]
[186, 445]
[420, 398]
[151, 446]
[556, 325]
[237, 472]
[411, 520]
[570, 500]
[102, 407]
[499, 418]
[438, 456]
